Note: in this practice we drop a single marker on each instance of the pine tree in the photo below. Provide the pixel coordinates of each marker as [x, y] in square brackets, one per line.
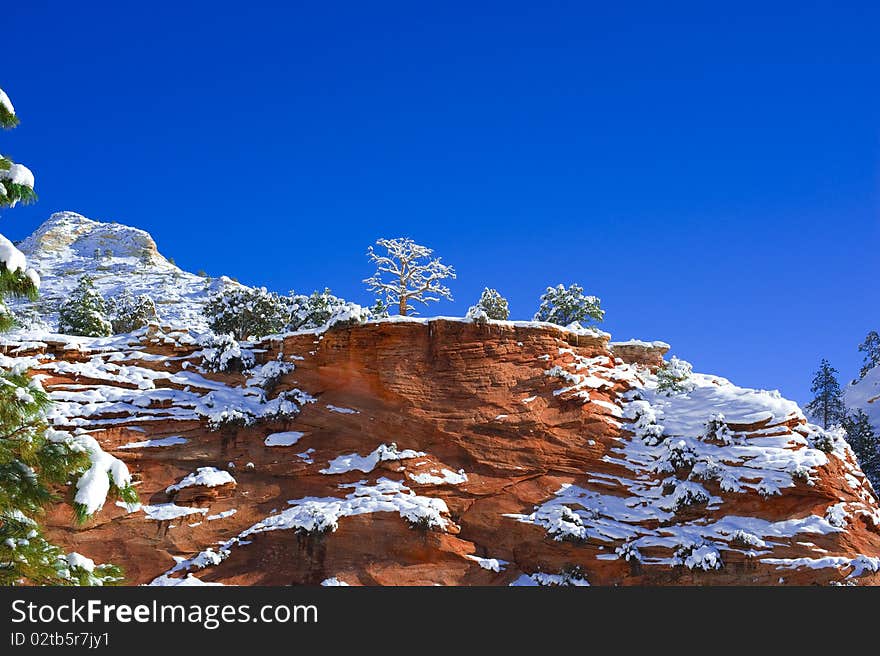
[566, 306]
[871, 348]
[35, 460]
[864, 442]
[827, 405]
[492, 305]
[16, 180]
[84, 312]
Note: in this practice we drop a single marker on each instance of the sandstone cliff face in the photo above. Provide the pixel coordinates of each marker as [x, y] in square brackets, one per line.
[445, 452]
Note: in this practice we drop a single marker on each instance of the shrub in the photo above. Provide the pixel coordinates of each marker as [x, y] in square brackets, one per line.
[222, 353]
[566, 306]
[314, 311]
[717, 430]
[128, 313]
[245, 312]
[491, 305]
[698, 556]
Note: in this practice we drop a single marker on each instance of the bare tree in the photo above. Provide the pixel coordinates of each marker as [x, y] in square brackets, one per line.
[408, 273]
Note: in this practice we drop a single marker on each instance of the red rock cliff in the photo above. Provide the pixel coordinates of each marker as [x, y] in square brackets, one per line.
[453, 453]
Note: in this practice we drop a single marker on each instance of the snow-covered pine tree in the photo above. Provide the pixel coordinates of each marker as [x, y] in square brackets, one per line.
[871, 348]
[827, 405]
[566, 306]
[247, 312]
[128, 313]
[34, 459]
[16, 180]
[864, 442]
[85, 311]
[408, 273]
[379, 309]
[674, 376]
[492, 305]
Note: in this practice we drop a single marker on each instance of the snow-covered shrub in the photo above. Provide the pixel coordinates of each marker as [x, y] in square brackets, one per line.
[84, 312]
[746, 540]
[286, 404]
[316, 520]
[706, 468]
[229, 419]
[425, 516]
[349, 314]
[683, 494]
[379, 310]
[566, 306]
[245, 312]
[476, 314]
[491, 305]
[837, 515]
[628, 552]
[678, 456]
[674, 377]
[314, 311]
[824, 440]
[572, 575]
[128, 313]
[267, 376]
[717, 431]
[644, 422]
[698, 556]
[223, 353]
[562, 523]
[803, 474]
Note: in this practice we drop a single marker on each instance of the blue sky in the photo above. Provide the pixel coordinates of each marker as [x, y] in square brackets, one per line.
[712, 173]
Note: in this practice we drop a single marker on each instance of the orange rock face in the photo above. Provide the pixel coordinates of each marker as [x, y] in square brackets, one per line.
[453, 453]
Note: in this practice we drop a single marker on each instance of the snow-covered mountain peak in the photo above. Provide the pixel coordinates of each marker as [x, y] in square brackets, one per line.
[73, 235]
[69, 245]
[864, 395]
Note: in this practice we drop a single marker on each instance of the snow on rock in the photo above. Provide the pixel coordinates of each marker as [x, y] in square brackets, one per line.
[366, 464]
[167, 511]
[443, 477]
[186, 581]
[152, 444]
[205, 476]
[287, 438]
[342, 411]
[491, 564]
[333, 582]
[544, 579]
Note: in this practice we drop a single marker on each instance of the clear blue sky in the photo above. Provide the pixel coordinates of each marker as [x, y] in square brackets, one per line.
[710, 171]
